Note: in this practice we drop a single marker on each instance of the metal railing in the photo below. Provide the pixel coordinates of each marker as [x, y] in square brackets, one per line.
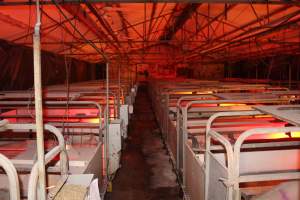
[33, 179]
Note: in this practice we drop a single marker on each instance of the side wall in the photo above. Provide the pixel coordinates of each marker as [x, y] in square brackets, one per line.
[283, 70]
[208, 71]
[16, 64]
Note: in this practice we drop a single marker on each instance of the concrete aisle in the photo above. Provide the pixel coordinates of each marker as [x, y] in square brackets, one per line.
[146, 173]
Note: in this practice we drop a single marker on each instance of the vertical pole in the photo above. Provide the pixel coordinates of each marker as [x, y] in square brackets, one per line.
[128, 72]
[290, 76]
[119, 86]
[38, 105]
[107, 119]
[256, 73]
[136, 73]
[131, 76]
[298, 71]
[184, 139]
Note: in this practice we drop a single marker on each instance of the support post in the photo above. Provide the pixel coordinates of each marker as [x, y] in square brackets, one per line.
[136, 73]
[119, 86]
[38, 105]
[107, 114]
[290, 76]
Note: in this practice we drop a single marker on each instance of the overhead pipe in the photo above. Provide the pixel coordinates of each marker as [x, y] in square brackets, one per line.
[38, 104]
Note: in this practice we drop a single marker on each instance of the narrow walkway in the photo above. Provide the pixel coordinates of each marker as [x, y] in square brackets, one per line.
[146, 173]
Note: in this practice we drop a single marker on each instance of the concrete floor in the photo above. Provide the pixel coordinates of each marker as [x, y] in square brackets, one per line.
[146, 173]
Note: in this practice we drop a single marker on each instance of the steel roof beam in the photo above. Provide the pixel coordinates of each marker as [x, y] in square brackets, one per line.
[103, 23]
[124, 28]
[288, 50]
[133, 28]
[281, 9]
[76, 10]
[44, 28]
[153, 11]
[271, 30]
[122, 20]
[156, 25]
[216, 18]
[179, 21]
[277, 28]
[32, 2]
[62, 25]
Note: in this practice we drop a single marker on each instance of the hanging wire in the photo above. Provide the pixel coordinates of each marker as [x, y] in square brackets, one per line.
[31, 90]
[68, 65]
[66, 115]
[99, 51]
[30, 99]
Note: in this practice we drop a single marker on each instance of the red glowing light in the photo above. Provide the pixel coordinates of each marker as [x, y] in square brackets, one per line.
[277, 136]
[94, 120]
